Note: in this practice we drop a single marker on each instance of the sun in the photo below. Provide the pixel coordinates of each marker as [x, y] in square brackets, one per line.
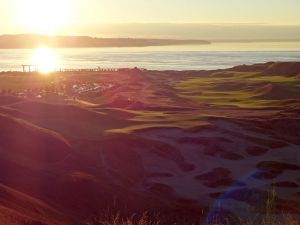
[45, 60]
[43, 16]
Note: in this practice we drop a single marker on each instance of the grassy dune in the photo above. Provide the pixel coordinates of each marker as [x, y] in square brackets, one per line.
[105, 147]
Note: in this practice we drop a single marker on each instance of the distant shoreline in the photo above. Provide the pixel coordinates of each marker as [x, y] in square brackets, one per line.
[28, 41]
[32, 41]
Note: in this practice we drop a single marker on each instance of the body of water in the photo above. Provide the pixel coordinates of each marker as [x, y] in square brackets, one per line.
[214, 56]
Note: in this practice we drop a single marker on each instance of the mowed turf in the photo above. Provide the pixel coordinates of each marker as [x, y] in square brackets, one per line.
[240, 89]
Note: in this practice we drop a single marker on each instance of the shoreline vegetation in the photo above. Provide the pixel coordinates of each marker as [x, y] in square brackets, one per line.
[24, 41]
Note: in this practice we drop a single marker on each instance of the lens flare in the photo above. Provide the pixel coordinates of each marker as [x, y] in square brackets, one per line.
[45, 60]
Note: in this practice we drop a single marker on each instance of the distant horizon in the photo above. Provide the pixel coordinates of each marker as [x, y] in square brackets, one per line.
[211, 41]
[181, 31]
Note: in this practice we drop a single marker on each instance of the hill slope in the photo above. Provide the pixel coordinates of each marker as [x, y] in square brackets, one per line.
[168, 142]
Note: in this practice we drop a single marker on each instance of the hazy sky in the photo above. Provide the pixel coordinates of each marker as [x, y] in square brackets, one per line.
[216, 11]
[47, 16]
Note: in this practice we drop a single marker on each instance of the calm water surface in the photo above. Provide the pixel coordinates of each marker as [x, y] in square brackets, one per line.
[216, 55]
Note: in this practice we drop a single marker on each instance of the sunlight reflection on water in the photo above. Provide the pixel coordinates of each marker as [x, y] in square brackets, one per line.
[214, 56]
[45, 59]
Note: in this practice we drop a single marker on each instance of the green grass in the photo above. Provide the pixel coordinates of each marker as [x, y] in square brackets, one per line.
[153, 119]
[180, 125]
[241, 90]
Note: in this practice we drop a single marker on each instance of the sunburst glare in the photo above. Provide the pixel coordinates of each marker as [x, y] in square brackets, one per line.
[45, 59]
[43, 16]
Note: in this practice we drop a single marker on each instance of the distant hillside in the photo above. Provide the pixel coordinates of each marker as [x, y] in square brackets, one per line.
[32, 41]
[272, 68]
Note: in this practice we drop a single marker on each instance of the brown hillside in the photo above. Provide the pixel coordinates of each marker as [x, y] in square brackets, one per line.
[283, 68]
[22, 139]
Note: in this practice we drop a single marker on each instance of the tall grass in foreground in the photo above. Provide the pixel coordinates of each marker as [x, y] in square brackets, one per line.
[118, 220]
[145, 220]
[269, 218]
[270, 205]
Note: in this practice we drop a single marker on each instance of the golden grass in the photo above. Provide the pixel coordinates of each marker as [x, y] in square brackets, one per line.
[133, 220]
[268, 218]
[145, 220]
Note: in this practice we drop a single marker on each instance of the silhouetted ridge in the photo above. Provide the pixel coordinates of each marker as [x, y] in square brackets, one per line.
[34, 40]
[271, 68]
[283, 68]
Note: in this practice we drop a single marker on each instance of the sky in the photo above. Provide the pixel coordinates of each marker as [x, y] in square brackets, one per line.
[139, 18]
[212, 11]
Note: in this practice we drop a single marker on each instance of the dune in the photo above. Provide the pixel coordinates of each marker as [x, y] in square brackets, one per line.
[7, 100]
[283, 68]
[271, 68]
[252, 68]
[167, 142]
[18, 208]
[20, 139]
[68, 120]
[278, 92]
